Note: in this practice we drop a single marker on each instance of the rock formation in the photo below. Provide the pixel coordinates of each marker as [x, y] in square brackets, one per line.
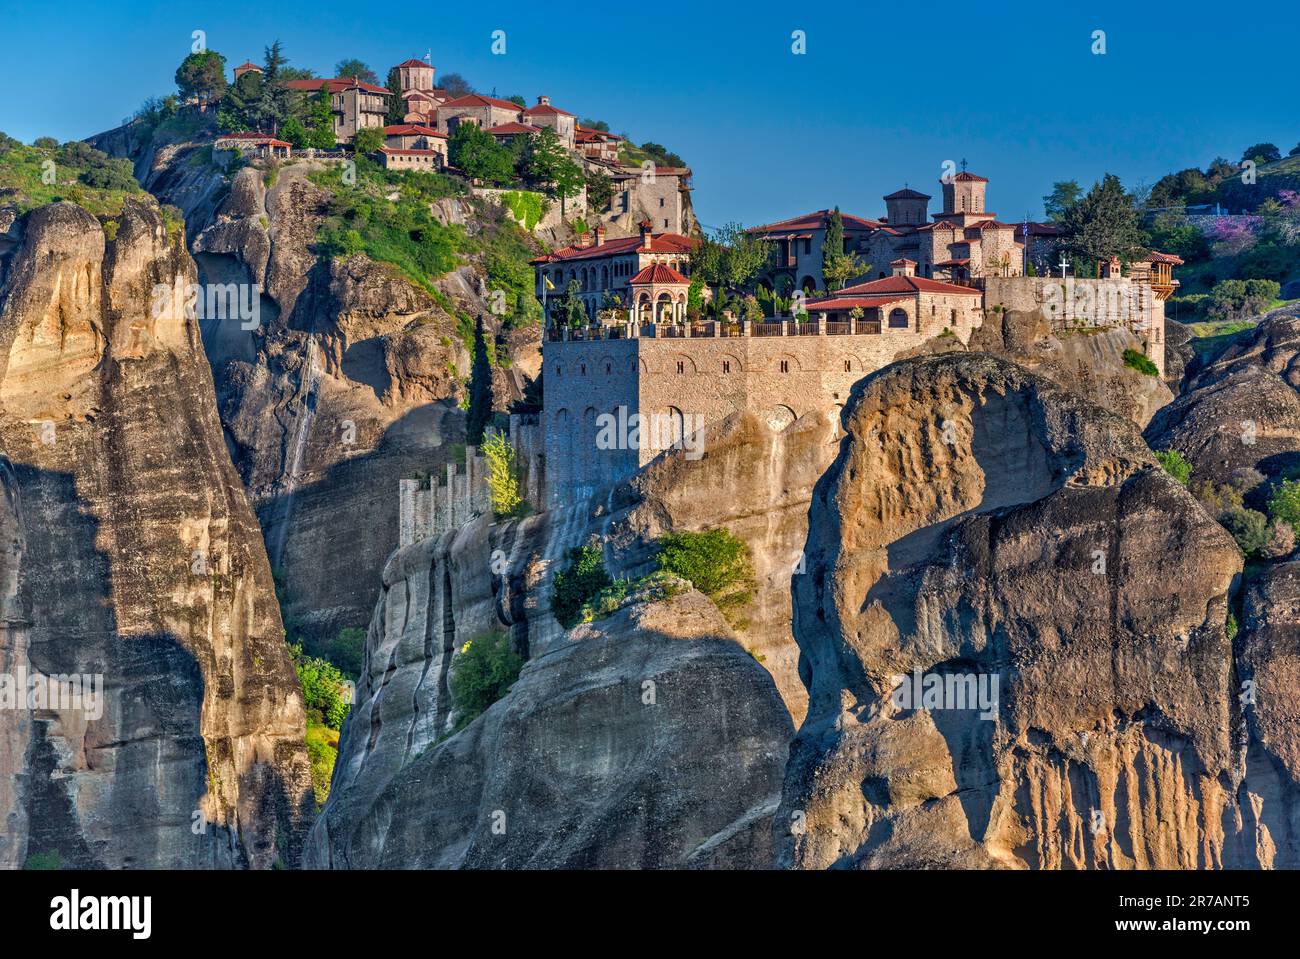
[648, 739]
[981, 522]
[141, 563]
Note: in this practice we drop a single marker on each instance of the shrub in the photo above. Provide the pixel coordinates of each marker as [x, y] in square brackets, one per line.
[484, 671]
[1175, 465]
[715, 562]
[1217, 499]
[1248, 527]
[322, 752]
[581, 582]
[1284, 504]
[1281, 541]
[347, 651]
[322, 687]
[1139, 362]
[503, 482]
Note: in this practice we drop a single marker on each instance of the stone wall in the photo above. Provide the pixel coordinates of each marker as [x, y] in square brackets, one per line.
[1073, 304]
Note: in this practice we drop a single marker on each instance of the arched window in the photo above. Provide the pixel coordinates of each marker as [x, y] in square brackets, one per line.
[898, 319]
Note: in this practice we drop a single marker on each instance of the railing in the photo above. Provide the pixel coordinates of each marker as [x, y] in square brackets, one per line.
[712, 329]
[808, 328]
[775, 328]
[838, 328]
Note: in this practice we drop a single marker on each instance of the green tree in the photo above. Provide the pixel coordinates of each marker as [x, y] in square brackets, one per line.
[480, 389]
[455, 84]
[238, 109]
[727, 259]
[323, 687]
[482, 673]
[546, 163]
[202, 77]
[716, 562]
[503, 477]
[476, 154]
[368, 140]
[352, 67]
[275, 104]
[294, 132]
[1065, 194]
[600, 189]
[396, 105]
[572, 307]
[1262, 153]
[1175, 465]
[1284, 504]
[1103, 224]
[578, 583]
[320, 120]
[1248, 527]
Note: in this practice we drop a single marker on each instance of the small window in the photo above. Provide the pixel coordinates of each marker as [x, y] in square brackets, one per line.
[726, 366]
[661, 201]
[785, 366]
[848, 366]
[609, 368]
[582, 369]
[558, 371]
[681, 367]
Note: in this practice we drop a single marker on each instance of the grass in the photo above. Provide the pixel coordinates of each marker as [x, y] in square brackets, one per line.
[323, 751]
[24, 169]
[1210, 337]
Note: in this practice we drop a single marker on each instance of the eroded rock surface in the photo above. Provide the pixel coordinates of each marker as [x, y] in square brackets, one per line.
[1033, 541]
[142, 563]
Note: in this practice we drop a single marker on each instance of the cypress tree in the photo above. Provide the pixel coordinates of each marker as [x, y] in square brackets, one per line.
[480, 389]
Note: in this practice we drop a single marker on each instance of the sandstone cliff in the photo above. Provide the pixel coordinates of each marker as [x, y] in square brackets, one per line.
[981, 521]
[648, 739]
[141, 562]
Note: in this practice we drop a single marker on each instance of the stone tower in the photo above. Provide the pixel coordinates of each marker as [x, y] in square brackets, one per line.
[415, 75]
[963, 193]
[906, 208]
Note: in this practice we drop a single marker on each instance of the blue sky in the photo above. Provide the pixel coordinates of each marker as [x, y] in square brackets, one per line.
[883, 96]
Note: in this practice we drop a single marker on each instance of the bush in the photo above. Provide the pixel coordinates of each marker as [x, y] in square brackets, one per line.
[503, 482]
[580, 583]
[1284, 504]
[714, 561]
[1175, 465]
[1248, 527]
[322, 687]
[483, 672]
[1281, 541]
[1217, 499]
[322, 752]
[1138, 361]
[347, 651]
[50, 860]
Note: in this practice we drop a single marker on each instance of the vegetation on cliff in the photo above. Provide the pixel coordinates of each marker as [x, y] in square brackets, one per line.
[47, 172]
[483, 672]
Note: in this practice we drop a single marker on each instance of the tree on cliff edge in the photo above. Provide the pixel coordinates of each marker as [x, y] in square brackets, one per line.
[480, 389]
[1103, 224]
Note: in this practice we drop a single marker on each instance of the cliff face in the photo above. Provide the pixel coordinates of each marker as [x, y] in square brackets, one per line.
[648, 739]
[980, 522]
[142, 563]
[349, 383]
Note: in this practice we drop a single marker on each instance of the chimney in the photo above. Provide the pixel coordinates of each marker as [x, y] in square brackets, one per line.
[600, 234]
[646, 227]
[584, 240]
[543, 101]
[904, 267]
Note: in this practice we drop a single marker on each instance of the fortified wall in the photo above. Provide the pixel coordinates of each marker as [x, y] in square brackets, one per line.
[1072, 305]
[679, 379]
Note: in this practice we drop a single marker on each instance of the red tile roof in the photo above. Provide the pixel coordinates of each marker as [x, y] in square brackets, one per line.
[1158, 257]
[546, 109]
[964, 177]
[658, 273]
[902, 261]
[411, 129]
[249, 65]
[815, 221]
[659, 243]
[906, 194]
[587, 133]
[337, 85]
[840, 302]
[416, 153]
[512, 128]
[906, 285]
[414, 63]
[478, 100]
[961, 262]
